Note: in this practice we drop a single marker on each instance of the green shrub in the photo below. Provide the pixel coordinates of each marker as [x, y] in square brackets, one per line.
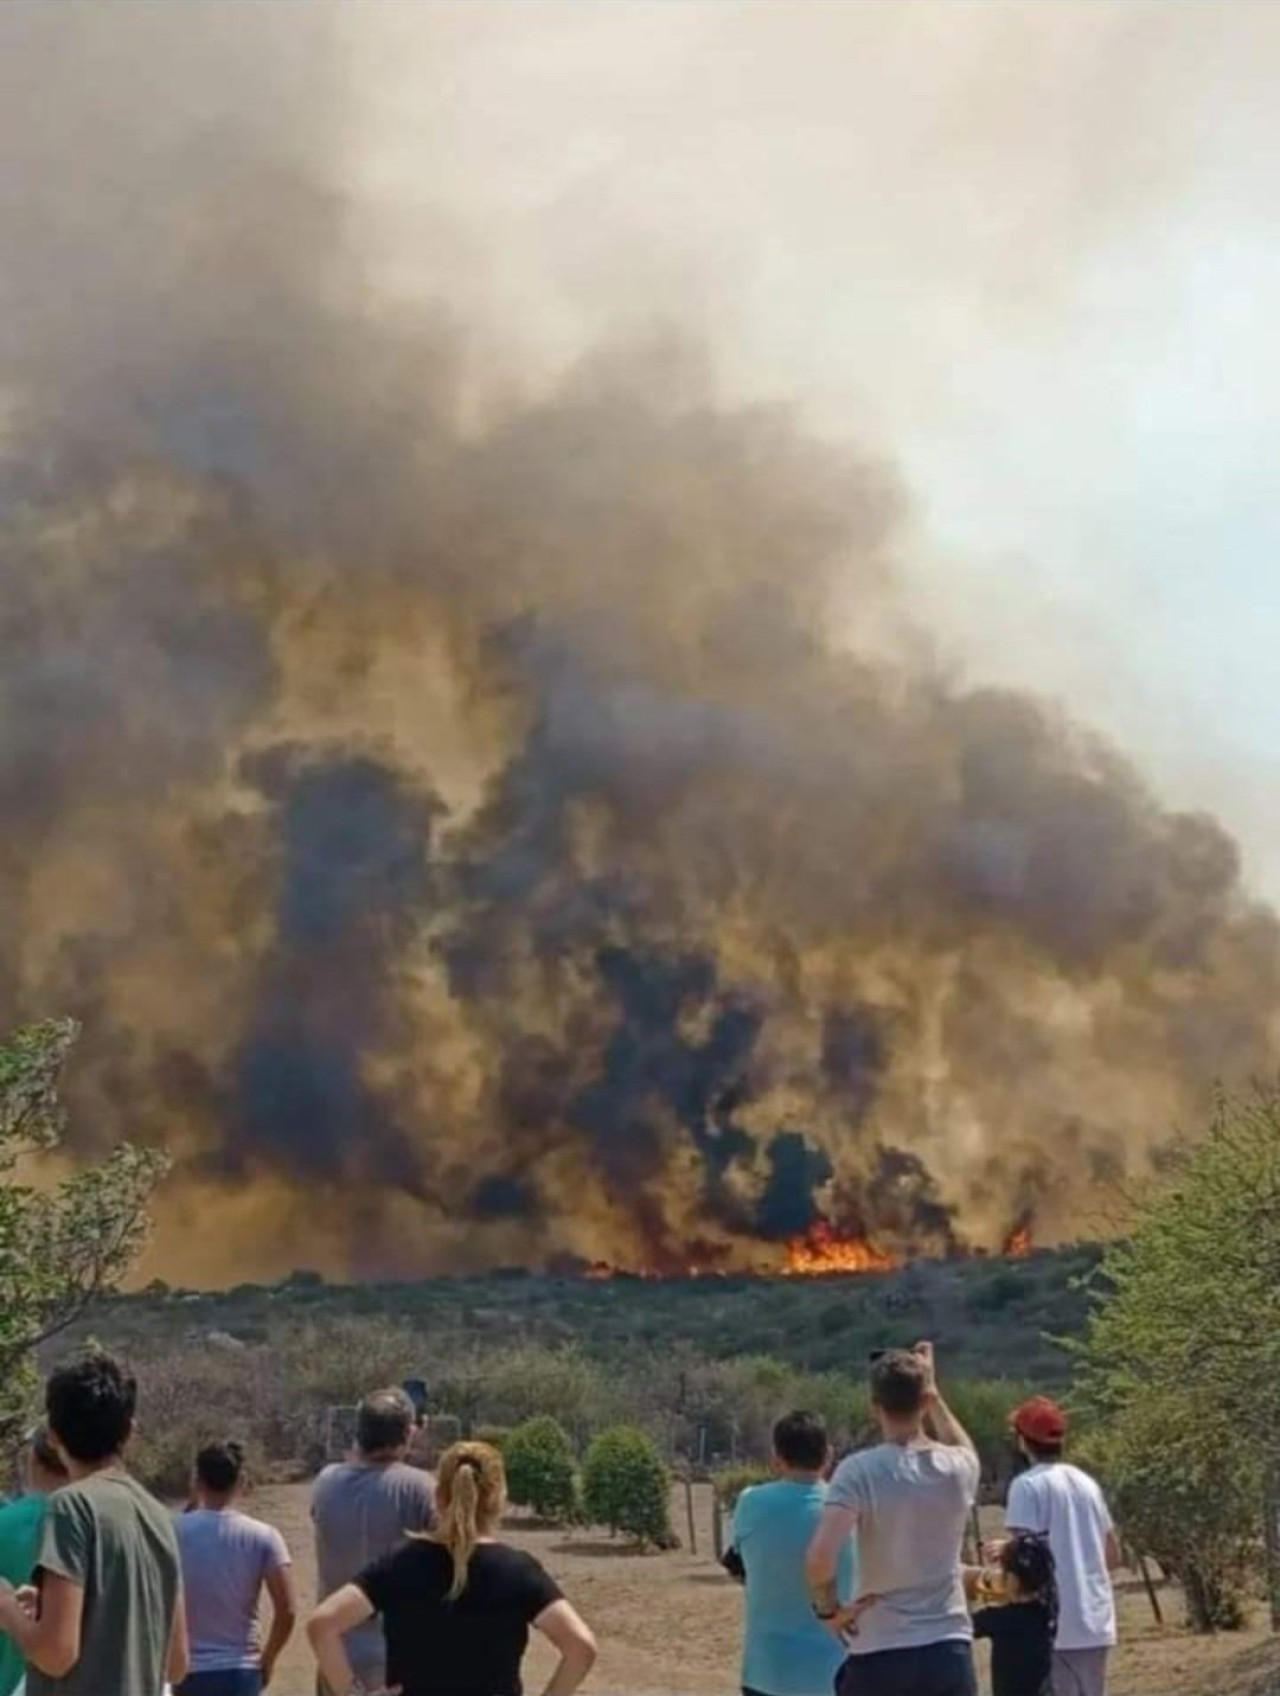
[1186, 1500]
[495, 1435]
[733, 1480]
[625, 1486]
[540, 1470]
[984, 1409]
[163, 1462]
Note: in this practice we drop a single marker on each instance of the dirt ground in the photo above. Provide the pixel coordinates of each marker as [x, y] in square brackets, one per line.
[668, 1625]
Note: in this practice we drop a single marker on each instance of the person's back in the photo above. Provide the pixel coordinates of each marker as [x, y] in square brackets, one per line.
[912, 1504]
[110, 1616]
[470, 1645]
[1063, 1504]
[456, 1605]
[1020, 1618]
[110, 1537]
[226, 1560]
[363, 1509]
[908, 1499]
[1067, 1506]
[785, 1650]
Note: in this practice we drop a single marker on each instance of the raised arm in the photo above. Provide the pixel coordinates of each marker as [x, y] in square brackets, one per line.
[940, 1423]
[569, 1634]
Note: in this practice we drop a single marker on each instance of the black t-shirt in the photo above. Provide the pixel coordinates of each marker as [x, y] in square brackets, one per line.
[472, 1646]
[1021, 1647]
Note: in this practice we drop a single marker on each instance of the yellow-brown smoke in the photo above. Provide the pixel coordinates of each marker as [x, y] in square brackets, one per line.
[448, 812]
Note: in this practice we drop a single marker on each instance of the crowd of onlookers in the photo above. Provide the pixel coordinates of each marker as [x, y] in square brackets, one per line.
[855, 1585]
[859, 1585]
[104, 1592]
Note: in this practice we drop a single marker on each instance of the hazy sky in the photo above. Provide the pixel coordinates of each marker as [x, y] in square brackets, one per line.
[1029, 252]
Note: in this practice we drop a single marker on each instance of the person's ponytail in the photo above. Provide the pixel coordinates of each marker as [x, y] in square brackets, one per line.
[460, 1530]
[471, 1490]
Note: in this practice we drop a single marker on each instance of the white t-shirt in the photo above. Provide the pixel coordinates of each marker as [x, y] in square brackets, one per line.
[911, 1503]
[1066, 1506]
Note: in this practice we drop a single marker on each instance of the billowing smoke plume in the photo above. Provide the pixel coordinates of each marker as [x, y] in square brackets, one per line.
[446, 807]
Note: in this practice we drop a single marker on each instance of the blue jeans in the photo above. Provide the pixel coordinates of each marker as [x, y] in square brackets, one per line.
[234, 1681]
[939, 1669]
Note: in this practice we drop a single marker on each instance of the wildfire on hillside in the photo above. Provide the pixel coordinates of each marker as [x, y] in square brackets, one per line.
[822, 1250]
[1019, 1243]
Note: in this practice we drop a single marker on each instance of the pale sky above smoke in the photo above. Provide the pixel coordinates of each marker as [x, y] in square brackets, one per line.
[1028, 251]
[426, 770]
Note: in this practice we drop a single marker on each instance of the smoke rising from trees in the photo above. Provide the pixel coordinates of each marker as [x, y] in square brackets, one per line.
[442, 799]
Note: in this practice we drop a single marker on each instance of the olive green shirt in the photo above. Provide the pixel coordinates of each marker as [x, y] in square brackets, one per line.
[116, 1542]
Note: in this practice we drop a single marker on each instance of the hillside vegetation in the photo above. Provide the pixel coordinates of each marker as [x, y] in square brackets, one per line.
[989, 1318]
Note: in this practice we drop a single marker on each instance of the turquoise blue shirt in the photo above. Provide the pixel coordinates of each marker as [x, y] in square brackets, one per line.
[21, 1522]
[785, 1651]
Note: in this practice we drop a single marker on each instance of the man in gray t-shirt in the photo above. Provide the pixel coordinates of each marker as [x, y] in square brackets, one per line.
[363, 1508]
[907, 1499]
[110, 1620]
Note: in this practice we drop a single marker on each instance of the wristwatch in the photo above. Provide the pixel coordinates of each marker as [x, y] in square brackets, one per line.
[819, 1612]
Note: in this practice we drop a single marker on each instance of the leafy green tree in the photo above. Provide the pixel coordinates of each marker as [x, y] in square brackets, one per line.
[625, 1485]
[541, 1473]
[1180, 1367]
[528, 1380]
[64, 1243]
[983, 1407]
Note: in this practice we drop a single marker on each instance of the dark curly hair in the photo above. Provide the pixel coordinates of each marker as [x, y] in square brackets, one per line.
[89, 1405]
[1028, 1558]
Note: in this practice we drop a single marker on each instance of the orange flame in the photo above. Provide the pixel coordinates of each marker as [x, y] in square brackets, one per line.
[1018, 1244]
[822, 1249]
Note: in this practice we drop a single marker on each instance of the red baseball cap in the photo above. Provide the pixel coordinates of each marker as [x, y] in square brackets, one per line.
[1040, 1421]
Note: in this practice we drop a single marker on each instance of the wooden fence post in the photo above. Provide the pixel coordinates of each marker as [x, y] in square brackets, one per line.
[1151, 1590]
[688, 1509]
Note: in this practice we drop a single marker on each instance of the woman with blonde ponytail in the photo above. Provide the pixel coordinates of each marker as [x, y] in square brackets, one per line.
[456, 1603]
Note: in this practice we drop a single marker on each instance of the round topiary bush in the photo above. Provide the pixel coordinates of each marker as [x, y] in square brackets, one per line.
[540, 1470]
[625, 1485]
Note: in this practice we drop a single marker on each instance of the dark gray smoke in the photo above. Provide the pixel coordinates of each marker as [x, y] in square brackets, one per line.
[450, 813]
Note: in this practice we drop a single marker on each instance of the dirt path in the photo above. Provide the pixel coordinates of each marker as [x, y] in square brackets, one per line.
[669, 1624]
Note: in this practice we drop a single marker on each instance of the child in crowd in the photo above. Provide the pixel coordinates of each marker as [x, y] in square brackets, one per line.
[1021, 1617]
